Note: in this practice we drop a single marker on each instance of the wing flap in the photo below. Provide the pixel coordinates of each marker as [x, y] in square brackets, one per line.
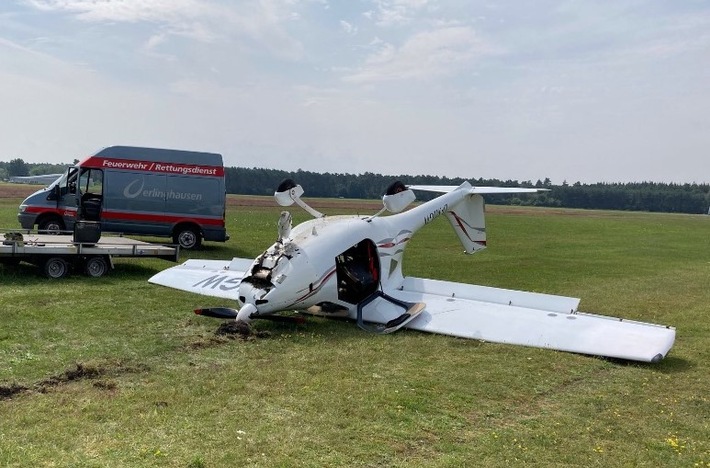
[215, 278]
[477, 312]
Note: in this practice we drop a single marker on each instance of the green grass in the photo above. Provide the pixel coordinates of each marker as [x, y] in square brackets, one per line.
[162, 390]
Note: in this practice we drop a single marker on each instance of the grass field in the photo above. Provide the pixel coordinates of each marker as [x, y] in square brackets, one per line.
[117, 372]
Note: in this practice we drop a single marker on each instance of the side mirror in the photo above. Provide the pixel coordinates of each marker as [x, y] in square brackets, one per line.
[56, 193]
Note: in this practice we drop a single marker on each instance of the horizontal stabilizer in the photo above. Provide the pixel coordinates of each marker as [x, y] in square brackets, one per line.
[528, 319]
[216, 278]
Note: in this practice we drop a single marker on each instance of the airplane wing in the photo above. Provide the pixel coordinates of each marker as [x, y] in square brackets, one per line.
[479, 190]
[522, 318]
[216, 278]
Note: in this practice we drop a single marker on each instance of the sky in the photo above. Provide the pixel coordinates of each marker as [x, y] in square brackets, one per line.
[589, 91]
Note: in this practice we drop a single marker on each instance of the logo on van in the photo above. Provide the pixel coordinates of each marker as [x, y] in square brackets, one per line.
[131, 192]
[136, 189]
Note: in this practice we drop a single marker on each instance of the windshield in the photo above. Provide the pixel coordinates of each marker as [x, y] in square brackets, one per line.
[60, 180]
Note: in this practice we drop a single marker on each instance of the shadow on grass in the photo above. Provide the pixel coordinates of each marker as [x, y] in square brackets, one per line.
[25, 274]
[675, 365]
[212, 250]
[669, 365]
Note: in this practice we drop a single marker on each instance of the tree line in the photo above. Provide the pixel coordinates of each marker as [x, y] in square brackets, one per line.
[634, 196]
[19, 168]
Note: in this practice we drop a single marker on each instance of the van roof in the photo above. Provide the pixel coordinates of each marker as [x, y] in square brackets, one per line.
[160, 155]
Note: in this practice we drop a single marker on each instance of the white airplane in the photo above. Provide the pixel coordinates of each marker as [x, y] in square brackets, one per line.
[351, 266]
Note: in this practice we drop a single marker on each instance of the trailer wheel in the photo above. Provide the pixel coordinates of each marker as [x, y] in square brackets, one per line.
[55, 267]
[187, 237]
[95, 267]
[50, 225]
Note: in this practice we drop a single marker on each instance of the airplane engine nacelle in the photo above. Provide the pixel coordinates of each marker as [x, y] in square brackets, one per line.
[288, 192]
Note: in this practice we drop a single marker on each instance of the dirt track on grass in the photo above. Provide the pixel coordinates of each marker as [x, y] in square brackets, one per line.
[20, 191]
[79, 371]
[17, 190]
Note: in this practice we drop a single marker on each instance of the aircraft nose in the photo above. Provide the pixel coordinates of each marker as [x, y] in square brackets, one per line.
[251, 294]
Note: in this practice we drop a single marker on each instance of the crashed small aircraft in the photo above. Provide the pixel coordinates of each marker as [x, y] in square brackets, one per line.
[351, 266]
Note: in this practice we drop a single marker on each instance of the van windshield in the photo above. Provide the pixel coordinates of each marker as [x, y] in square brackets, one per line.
[60, 180]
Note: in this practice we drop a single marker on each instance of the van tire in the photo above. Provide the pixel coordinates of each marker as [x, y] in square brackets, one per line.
[55, 268]
[95, 267]
[50, 225]
[187, 237]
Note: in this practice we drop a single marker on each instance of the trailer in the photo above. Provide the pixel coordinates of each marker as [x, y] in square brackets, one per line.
[57, 255]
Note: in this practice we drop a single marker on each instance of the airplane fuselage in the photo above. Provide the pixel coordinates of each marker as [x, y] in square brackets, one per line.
[337, 260]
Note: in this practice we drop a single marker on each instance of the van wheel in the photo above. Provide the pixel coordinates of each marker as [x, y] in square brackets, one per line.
[55, 267]
[50, 225]
[187, 238]
[95, 267]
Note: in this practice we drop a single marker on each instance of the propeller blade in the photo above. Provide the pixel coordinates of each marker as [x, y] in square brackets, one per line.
[217, 312]
[297, 319]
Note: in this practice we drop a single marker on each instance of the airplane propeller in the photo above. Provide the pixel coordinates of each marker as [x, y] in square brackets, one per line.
[217, 312]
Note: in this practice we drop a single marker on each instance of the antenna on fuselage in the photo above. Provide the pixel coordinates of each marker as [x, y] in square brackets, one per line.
[288, 193]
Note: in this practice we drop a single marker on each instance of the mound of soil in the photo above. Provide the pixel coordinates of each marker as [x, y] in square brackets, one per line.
[80, 371]
[238, 329]
[9, 391]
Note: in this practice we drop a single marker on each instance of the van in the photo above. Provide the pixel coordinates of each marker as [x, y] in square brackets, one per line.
[132, 190]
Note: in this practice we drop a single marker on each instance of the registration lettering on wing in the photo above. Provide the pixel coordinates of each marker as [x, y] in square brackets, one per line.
[222, 282]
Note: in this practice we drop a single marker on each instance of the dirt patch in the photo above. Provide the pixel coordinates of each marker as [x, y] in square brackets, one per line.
[9, 391]
[80, 371]
[239, 330]
[21, 191]
[227, 331]
[540, 211]
[317, 203]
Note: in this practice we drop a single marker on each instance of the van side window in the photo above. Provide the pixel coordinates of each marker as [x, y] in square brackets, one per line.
[91, 183]
[71, 181]
[91, 188]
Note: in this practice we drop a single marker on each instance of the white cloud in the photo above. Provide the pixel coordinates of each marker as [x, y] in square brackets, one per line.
[567, 90]
[348, 28]
[124, 10]
[425, 55]
[261, 22]
[396, 12]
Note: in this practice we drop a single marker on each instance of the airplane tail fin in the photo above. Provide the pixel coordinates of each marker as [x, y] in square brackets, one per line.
[468, 220]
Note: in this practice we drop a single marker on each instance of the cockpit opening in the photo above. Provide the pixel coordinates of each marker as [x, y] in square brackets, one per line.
[358, 272]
